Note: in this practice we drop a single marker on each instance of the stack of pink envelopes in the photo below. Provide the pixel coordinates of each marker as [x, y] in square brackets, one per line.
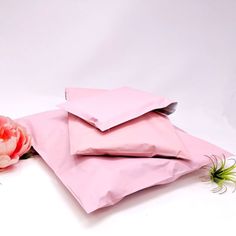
[104, 145]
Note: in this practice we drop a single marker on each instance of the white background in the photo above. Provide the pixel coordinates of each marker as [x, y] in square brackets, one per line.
[182, 49]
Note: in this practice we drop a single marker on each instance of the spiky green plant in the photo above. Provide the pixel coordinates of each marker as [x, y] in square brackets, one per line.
[221, 173]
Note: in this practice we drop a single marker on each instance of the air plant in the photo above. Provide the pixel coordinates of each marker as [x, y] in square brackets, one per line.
[221, 173]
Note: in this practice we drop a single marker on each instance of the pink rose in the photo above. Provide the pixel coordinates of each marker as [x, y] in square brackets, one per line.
[14, 142]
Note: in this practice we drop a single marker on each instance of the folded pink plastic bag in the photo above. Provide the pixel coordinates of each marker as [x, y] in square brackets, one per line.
[111, 108]
[98, 182]
[151, 134]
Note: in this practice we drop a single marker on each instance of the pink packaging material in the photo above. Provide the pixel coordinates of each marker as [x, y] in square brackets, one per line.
[111, 108]
[98, 182]
[151, 134]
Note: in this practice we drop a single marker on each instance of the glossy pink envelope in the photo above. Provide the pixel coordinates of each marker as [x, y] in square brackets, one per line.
[110, 108]
[151, 134]
[98, 182]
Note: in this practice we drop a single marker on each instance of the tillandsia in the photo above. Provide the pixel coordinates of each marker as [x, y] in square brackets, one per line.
[221, 172]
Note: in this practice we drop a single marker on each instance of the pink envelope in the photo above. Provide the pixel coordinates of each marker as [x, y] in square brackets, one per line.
[98, 182]
[151, 134]
[110, 108]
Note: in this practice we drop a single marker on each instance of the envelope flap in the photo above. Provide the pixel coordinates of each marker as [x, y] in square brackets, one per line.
[107, 109]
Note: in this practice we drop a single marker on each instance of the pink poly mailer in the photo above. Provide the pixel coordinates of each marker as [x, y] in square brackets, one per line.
[151, 134]
[98, 182]
[111, 108]
[146, 136]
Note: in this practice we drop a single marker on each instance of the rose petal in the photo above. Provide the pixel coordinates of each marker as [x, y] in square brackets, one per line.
[14, 140]
[23, 144]
[6, 161]
[7, 147]
[7, 128]
[26, 147]
[3, 120]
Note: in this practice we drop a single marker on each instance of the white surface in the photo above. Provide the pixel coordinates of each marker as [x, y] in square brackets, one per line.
[181, 49]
